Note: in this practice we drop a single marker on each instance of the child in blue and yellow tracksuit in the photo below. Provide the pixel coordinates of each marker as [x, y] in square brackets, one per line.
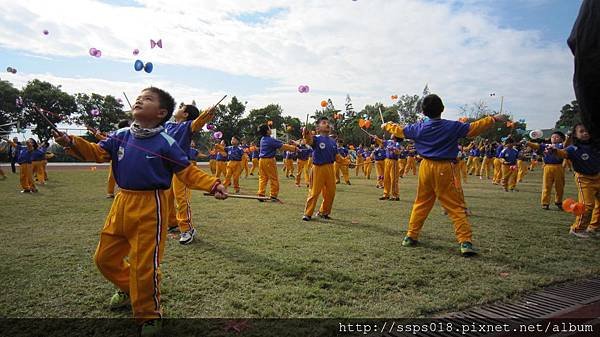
[487, 165]
[509, 157]
[37, 164]
[254, 152]
[474, 162]
[497, 180]
[378, 156]
[188, 120]
[235, 155]
[368, 162]
[144, 160]
[360, 160]
[303, 155]
[402, 155]
[325, 153]
[343, 165]
[554, 173]
[586, 164]
[221, 160]
[390, 172]
[411, 162]
[267, 166]
[245, 160]
[534, 160]
[436, 141]
[24, 160]
[288, 163]
[212, 161]
[522, 163]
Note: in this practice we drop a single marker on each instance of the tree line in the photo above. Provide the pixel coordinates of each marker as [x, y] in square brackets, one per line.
[232, 119]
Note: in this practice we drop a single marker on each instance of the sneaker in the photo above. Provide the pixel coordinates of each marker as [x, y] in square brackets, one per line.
[110, 196]
[348, 183]
[151, 328]
[187, 237]
[306, 218]
[383, 198]
[546, 207]
[34, 190]
[324, 216]
[237, 191]
[409, 242]
[275, 199]
[173, 230]
[466, 249]
[580, 233]
[559, 205]
[594, 233]
[119, 300]
[251, 174]
[297, 185]
[25, 191]
[261, 200]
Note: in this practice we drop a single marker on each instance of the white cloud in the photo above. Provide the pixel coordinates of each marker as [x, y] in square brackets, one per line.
[370, 49]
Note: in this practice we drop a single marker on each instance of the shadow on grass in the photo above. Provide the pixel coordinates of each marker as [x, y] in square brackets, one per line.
[261, 264]
[362, 226]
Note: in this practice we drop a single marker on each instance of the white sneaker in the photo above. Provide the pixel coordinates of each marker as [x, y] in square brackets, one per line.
[187, 237]
[582, 234]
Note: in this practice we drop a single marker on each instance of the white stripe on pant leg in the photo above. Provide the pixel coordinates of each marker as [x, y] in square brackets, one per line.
[189, 208]
[156, 249]
[580, 188]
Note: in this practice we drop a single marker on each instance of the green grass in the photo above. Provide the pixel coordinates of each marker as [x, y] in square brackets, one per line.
[260, 260]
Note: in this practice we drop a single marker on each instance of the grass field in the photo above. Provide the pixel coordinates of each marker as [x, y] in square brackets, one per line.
[260, 260]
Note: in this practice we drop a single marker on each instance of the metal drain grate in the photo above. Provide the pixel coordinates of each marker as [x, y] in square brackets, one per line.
[547, 303]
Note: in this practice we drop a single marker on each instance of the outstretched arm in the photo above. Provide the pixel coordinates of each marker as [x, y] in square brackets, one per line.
[393, 128]
[79, 147]
[196, 179]
[202, 119]
[478, 127]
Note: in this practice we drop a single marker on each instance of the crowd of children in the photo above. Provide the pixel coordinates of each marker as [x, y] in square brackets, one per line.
[153, 164]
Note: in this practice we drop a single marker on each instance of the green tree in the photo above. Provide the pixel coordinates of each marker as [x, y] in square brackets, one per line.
[227, 118]
[475, 110]
[409, 109]
[9, 111]
[110, 111]
[58, 105]
[258, 117]
[569, 116]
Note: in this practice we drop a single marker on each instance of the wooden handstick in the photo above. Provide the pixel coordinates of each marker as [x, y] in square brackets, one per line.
[241, 196]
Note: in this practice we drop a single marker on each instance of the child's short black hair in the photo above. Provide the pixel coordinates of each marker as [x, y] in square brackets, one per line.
[322, 118]
[166, 101]
[123, 123]
[192, 112]
[560, 134]
[33, 143]
[263, 130]
[432, 106]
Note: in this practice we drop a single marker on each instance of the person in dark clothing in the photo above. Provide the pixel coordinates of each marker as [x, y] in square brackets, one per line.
[584, 42]
[12, 155]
